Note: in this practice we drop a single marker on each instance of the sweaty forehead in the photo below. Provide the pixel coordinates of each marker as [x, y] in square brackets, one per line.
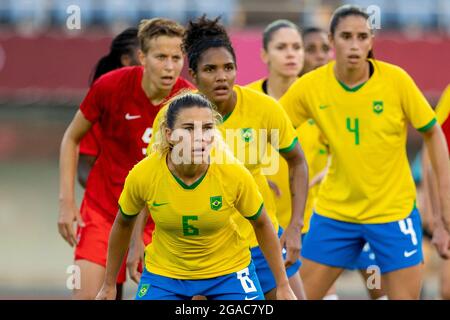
[216, 56]
[353, 24]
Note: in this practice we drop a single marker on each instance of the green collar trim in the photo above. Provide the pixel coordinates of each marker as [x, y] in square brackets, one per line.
[354, 89]
[192, 186]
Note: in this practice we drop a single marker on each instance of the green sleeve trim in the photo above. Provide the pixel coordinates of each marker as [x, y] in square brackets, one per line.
[428, 126]
[257, 214]
[291, 147]
[126, 216]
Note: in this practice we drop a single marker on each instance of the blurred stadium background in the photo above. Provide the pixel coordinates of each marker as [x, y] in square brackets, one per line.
[44, 71]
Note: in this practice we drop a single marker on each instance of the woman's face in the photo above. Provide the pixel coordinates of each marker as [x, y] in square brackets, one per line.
[317, 51]
[284, 54]
[352, 41]
[215, 75]
[192, 135]
[162, 62]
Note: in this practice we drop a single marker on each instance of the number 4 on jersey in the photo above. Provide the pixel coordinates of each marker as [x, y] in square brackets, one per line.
[354, 128]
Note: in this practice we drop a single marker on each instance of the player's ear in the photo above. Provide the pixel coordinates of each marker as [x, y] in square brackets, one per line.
[125, 60]
[141, 56]
[264, 56]
[331, 40]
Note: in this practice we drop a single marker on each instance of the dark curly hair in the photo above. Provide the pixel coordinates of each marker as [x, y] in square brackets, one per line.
[203, 34]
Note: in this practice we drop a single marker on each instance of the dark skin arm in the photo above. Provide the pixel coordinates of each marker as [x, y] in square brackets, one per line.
[298, 183]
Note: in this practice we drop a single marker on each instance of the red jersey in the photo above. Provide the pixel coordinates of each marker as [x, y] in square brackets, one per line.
[446, 129]
[125, 115]
[90, 144]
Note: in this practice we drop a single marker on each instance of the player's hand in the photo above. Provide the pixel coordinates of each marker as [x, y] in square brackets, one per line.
[441, 240]
[284, 292]
[135, 256]
[291, 241]
[68, 214]
[274, 188]
[106, 293]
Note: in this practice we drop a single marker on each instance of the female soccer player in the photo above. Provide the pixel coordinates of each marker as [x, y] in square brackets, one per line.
[124, 103]
[122, 53]
[362, 106]
[197, 248]
[249, 120]
[317, 49]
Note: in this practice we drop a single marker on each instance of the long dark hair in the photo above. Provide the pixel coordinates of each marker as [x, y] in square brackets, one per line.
[203, 34]
[124, 43]
[345, 11]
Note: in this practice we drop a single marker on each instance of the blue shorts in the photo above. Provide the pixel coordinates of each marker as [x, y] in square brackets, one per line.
[263, 271]
[365, 259]
[396, 245]
[241, 285]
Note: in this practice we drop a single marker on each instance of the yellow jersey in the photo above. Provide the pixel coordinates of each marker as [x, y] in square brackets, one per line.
[195, 236]
[256, 120]
[369, 179]
[316, 154]
[443, 107]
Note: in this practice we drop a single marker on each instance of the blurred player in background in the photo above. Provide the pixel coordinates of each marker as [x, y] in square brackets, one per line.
[361, 106]
[122, 53]
[433, 214]
[124, 103]
[197, 248]
[212, 66]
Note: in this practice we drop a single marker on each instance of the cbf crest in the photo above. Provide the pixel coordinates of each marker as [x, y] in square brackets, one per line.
[378, 107]
[215, 202]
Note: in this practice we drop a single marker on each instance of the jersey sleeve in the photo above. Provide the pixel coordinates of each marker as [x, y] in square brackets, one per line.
[279, 123]
[293, 102]
[90, 144]
[156, 136]
[443, 107]
[131, 200]
[415, 106]
[249, 201]
[93, 104]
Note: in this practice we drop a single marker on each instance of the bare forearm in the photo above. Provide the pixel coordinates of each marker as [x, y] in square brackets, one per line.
[298, 183]
[270, 246]
[438, 154]
[119, 240]
[68, 159]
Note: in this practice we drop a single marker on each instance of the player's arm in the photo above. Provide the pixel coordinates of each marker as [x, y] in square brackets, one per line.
[438, 153]
[137, 246]
[270, 246]
[68, 211]
[298, 184]
[119, 239]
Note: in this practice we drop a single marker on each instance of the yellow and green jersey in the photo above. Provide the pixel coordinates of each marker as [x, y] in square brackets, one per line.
[195, 236]
[256, 120]
[316, 154]
[443, 107]
[369, 179]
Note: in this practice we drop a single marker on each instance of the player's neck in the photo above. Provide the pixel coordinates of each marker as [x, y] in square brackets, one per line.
[155, 95]
[227, 107]
[352, 77]
[188, 173]
[277, 85]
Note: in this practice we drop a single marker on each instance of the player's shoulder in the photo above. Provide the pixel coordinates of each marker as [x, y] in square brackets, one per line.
[256, 98]
[148, 167]
[226, 165]
[182, 83]
[257, 85]
[387, 69]
[119, 77]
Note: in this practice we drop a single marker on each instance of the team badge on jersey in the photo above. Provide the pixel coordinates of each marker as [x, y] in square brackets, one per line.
[247, 134]
[143, 291]
[216, 202]
[378, 107]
